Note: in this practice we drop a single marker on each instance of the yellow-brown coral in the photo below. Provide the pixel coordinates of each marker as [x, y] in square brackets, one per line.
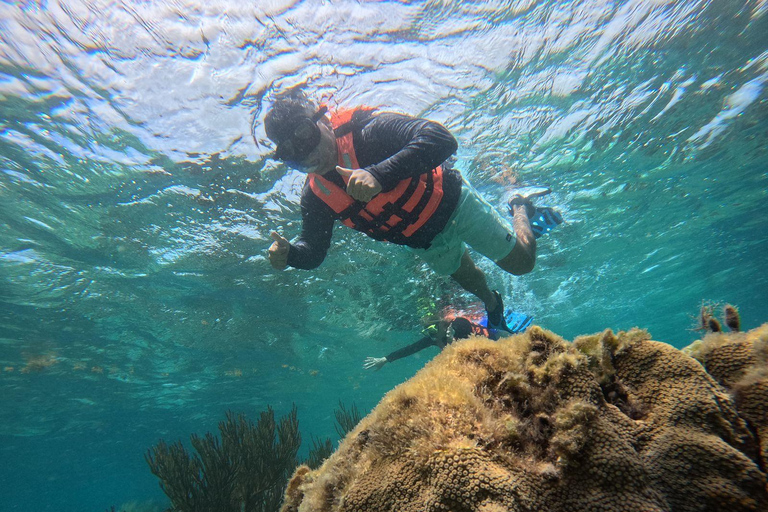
[532, 422]
[739, 362]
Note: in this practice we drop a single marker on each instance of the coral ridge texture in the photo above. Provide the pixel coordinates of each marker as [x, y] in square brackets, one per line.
[608, 422]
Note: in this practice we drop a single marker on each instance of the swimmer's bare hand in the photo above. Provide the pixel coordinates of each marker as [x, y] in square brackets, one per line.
[278, 251]
[361, 184]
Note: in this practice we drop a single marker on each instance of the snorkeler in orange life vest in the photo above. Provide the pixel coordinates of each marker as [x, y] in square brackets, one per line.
[384, 174]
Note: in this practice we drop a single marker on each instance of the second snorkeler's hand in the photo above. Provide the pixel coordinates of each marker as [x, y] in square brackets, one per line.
[361, 184]
[278, 251]
[374, 362]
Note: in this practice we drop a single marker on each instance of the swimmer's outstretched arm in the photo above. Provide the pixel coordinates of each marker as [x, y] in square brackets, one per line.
[378, 362]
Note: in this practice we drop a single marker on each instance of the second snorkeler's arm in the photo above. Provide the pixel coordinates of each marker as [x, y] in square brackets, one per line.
[378, 362]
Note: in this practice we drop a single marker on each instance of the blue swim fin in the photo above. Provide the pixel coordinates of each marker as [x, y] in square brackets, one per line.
[517, 322]
[544, 220]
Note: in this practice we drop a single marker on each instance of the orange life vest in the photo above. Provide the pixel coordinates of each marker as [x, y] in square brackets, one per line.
[394, 215]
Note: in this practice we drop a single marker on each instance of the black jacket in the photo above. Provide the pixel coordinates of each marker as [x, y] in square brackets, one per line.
[429, 341]
[392, 147]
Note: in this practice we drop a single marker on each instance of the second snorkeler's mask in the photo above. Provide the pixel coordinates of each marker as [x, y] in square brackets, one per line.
[305, 137]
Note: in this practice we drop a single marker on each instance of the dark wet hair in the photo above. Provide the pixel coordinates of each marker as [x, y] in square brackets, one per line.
[280, 121]
[461, 328]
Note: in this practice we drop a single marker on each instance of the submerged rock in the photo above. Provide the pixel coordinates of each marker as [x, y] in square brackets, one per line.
[532, 422]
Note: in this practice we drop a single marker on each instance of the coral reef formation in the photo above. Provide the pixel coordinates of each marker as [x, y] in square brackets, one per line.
[739, 363]
[610, 422]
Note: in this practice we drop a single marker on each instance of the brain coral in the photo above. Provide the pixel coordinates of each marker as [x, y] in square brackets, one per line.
[534, 423]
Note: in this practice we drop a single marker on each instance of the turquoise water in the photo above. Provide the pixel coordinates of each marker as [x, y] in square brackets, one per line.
[135, 299]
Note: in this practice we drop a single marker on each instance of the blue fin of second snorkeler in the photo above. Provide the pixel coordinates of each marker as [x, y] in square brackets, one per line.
[516, 322]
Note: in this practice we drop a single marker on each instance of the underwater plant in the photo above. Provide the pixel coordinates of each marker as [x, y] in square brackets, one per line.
[246, 469]
[346, 420]
[321, 450]
[708, 322]
[243, 471]
[732, 317]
